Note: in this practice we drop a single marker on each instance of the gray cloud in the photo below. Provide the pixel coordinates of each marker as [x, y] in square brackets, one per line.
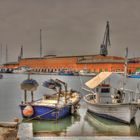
[70, 27]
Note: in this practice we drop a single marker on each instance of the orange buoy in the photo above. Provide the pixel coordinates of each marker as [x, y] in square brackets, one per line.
[28, 111]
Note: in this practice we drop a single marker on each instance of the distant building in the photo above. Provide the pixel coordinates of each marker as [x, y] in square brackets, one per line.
[95, 63]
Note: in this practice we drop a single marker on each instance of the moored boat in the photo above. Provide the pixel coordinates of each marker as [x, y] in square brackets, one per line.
[59, 105]
[86, 72]
[66, 72]
[136, 75]
[22, 69]
[106, 104]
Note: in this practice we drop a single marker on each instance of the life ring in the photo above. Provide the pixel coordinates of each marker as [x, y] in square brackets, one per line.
[28, 111]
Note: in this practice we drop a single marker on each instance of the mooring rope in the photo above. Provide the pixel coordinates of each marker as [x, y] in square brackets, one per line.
[40, 115]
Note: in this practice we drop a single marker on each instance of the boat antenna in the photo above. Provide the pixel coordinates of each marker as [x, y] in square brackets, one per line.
[106, 41]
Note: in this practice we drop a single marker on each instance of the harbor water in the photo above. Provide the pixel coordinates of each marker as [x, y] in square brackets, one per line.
[82, 123]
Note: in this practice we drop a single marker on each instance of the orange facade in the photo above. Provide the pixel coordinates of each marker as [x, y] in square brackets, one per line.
[57, 63]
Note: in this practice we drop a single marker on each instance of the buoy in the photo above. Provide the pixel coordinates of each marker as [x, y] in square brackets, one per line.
[28, 111]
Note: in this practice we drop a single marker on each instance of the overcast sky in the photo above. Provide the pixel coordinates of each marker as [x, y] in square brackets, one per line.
[70, 27]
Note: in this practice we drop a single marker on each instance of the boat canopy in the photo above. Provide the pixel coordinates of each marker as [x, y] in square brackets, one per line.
[94, 82]
[29, 85]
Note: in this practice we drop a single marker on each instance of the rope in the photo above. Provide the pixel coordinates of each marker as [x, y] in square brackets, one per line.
[40, 115]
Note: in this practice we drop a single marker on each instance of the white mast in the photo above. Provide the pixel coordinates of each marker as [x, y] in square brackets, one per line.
[1, 53]
[6, 53]
[125, 65]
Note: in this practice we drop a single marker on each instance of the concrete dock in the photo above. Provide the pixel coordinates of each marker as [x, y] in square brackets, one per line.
[89, 138]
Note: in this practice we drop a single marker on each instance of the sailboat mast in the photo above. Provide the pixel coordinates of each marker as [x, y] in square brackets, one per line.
[21, 51]
[125, 65]
[1, 53]
[6, 53]
[40, 43]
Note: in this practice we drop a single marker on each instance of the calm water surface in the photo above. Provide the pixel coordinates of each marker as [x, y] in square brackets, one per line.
[80, 124]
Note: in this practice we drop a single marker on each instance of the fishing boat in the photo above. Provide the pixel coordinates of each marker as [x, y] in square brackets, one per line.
[66, 72]
[86, 72]
[111, 105]
[22, 69]
[54, 107]
[136, 75]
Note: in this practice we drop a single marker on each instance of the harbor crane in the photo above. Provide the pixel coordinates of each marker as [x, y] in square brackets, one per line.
[106, 41]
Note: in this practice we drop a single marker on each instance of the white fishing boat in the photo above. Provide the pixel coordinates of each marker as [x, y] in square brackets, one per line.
[22, 69]
[86, 72]
[108, 102]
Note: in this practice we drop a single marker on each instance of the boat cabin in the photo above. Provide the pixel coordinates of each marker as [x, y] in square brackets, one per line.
[102, 94]
[102, 91]
[103, 88]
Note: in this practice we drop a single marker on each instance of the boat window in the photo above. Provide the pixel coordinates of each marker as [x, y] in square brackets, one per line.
[105, 90]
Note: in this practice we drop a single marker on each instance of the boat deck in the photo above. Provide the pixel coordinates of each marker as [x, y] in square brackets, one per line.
[53, 101]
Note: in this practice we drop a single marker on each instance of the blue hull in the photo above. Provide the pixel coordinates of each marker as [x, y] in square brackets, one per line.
[134, 76]
[47, 113]
[66, 74]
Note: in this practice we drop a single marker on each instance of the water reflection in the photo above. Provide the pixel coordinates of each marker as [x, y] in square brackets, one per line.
[58, 128]
[137, 118]
[108, 127]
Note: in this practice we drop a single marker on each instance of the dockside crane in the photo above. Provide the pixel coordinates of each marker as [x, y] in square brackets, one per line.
[106, 41]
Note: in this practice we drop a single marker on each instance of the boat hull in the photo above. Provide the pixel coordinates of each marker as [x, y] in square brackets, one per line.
[87, 74]
[50, 113]
[120, 112]
[134, 76]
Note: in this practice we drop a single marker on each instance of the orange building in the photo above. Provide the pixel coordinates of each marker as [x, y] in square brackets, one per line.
[95, 63]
